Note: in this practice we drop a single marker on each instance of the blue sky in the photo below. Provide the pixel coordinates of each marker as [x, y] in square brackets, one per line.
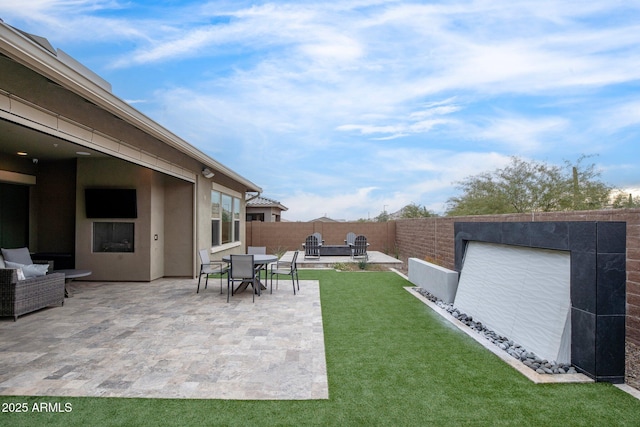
[348, 108]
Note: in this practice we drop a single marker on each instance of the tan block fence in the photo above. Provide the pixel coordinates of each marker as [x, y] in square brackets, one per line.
[433, 239]
[278, 236]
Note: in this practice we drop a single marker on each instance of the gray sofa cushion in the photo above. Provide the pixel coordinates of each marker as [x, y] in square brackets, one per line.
[29, 270]
[19, 255]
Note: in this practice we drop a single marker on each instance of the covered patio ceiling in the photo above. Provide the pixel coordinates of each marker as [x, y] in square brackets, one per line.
[15, 138]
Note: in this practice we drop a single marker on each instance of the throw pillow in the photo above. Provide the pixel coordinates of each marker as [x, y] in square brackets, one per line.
[31, 270]
[19, 255]
[2, 262]
[20, 274]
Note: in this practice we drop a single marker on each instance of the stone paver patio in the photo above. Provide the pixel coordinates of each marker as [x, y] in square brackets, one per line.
[162, 340]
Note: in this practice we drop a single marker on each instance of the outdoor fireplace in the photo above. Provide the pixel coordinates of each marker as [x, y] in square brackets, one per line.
[113, 237]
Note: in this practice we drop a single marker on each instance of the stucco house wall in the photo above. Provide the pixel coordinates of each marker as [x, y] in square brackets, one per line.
[56, 107]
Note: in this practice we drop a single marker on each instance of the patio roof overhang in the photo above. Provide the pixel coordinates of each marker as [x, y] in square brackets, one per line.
[37, 54]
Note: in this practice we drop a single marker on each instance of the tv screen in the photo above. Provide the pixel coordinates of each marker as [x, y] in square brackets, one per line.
[110, 203]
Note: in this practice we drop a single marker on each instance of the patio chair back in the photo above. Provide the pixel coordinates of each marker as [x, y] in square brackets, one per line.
[204, 257]
[360, 247]
[311, 247]
[242, 270]
[258, 250]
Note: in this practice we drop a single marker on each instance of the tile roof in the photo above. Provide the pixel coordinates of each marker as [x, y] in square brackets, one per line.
[264, 202]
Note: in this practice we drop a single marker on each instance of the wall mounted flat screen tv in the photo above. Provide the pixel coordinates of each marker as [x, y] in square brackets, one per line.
[111, 203]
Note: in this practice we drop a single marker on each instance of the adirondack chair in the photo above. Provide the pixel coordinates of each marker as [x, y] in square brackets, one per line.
[350, 239]
[360, 248]
[311, 247]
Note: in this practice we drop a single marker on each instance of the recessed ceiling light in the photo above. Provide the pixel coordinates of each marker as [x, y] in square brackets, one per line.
[82, 153]
[22, 153]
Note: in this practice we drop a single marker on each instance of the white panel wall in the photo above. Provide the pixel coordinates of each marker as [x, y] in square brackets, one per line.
[521, 293]
[438, 281]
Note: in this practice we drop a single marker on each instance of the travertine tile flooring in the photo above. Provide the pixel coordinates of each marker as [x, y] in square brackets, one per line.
[163, 340]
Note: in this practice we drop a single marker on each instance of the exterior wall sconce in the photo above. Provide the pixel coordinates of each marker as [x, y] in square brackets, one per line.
[207, 173]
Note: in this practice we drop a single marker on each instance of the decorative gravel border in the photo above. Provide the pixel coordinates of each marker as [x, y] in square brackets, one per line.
[510, 360]
[530, 359]
[514, 363]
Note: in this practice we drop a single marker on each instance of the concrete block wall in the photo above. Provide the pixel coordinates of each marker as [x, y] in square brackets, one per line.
[438, 281]
[430, 239]
[277, 236]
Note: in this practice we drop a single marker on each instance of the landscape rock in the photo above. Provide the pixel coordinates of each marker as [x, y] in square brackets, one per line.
[515, 350]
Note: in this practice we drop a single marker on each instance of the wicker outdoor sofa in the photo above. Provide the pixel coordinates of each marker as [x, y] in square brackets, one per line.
[18, 297]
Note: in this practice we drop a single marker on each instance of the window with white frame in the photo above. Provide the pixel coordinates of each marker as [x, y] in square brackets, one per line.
[225, 218]
[236, 219]
[215, 218]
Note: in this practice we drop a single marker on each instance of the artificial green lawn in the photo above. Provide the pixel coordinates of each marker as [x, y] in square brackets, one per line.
[391, 361]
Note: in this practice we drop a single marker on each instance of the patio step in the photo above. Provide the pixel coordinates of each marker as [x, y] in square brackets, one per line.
[376, 258]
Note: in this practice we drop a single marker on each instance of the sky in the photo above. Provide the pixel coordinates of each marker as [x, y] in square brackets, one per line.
[350, 108]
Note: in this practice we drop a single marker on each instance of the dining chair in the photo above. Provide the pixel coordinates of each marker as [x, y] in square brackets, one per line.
[289, 268]
[242, 270]
[258, 250]
[208, 267]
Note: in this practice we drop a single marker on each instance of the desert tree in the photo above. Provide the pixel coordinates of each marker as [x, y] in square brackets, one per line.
[531, 186]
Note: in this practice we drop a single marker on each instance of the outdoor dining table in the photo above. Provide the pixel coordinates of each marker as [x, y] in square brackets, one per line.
[260, 261]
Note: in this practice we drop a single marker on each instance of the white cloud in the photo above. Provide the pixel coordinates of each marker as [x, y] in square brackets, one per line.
[620, 116]
[74, 21]
[522, 135]
[352, 205]
[416, 122]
